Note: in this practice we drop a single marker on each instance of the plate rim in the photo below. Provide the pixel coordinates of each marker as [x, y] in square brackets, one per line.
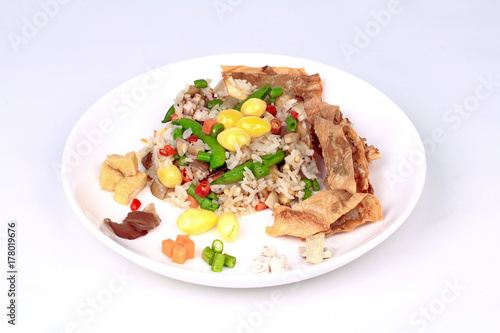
[244, 281]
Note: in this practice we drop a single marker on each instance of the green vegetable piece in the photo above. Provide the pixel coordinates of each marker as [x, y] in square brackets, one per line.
[260, 169]
[307, 193]
[169, 115]
[236, 174]
[260, 93]
[212, 196]
[205, 203]
[204, 156]
[218, 262]
[176, 156]
[291, 124]
[276, 92]
[230, 261]
[182, 161]
[272, 100]
[200, 83]
[217, 246]
[177, 133]
[308, 183]
[218, 152]
[216, 129]
[274, 158]
[211, 104]
[208, 255]
[315, 185]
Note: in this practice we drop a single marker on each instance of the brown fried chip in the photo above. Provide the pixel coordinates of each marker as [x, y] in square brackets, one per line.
[296, 223]
[339, 210]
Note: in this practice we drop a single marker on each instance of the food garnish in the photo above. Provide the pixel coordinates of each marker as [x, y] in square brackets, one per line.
[136, 224]
[269, 261]
[215, 258]
[180, 250]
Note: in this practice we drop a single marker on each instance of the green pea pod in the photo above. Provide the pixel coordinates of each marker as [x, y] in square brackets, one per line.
[216, 129]
[236, 174]
[260, 93]
[218, 152]
[260, 169]
[177, 133]
[232, 176]
[169, 115]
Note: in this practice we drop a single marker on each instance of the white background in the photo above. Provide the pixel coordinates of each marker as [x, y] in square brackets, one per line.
[437, 273]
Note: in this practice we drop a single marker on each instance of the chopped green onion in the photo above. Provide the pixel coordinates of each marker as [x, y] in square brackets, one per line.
[315, 185]
[230, 261]
[218, 262]
[217, 246]
[272, 100]
[212, 196]
[178, 133]
[204, 156]
[182, 161]
[307, 193]
[169, 115]
[216, 129]
[211, 104]
[308, 183]
[208, 255]
[176, 156]
[276, 91]
[291, 124]
[200, 83]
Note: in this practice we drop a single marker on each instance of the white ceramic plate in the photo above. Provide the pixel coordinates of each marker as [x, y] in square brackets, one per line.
[117, 122]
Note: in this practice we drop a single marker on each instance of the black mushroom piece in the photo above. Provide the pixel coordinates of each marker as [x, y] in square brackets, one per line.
[136, 224]
[147, 160]
[201, 165]
[125, 230]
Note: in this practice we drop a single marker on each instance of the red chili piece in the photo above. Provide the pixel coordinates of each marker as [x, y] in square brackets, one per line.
[294, 114]
[167, 151]
[192, 139]
[271, 109]
[275, 126]
[203, 189]
[135, 205]
[185, 177]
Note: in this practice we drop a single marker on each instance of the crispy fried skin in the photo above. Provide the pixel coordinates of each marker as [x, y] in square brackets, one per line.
[296, 223]
[339, 210]
[293, 81]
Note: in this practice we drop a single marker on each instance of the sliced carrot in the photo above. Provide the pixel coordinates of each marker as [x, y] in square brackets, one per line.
[179, 255]
[207, 126]
[154, 136]
[180, 238]
[167, 247]
[260, 206]
[175, 116]
[144, 140]
[189, 245]
[193, 202]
